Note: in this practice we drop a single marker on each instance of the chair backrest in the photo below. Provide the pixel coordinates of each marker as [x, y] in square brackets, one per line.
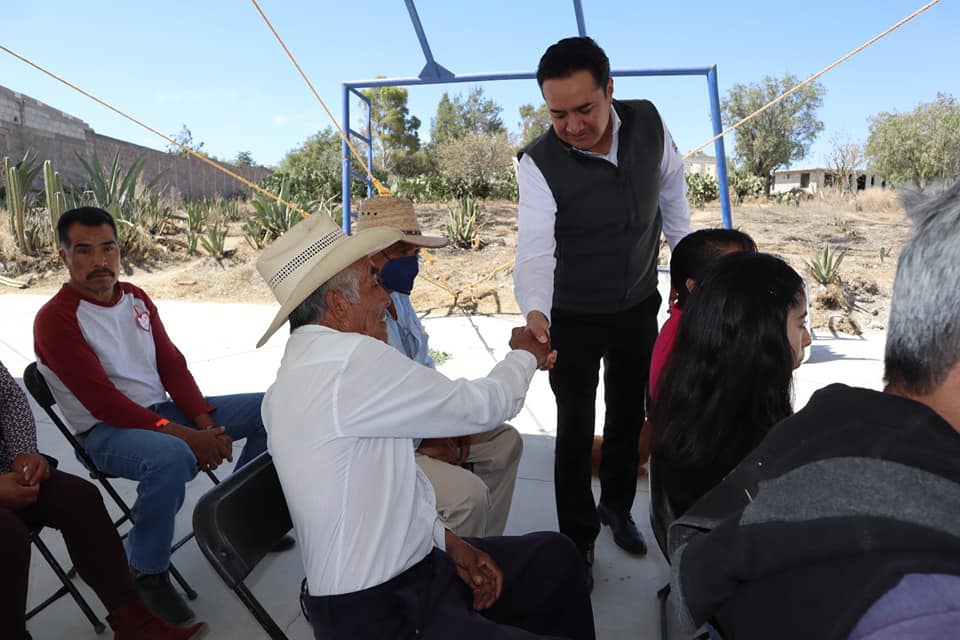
[662, 513]
[240, 520]
[38, 388]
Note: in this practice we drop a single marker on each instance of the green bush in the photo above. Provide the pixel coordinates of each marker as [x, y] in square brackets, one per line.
[462, 224]
[788, 198]
[701, 189]
[473, 164]
[825, 265]
[744, 184]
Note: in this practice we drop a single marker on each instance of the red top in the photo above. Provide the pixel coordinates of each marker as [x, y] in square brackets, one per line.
[664, 346]
[107, 362]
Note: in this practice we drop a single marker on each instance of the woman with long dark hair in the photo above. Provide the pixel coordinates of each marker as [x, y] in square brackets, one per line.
[728, 379]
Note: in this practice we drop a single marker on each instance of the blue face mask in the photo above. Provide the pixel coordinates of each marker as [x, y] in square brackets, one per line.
[398, 274]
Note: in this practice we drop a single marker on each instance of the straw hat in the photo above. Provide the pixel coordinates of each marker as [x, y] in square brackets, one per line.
[398, 214]
[304, 258]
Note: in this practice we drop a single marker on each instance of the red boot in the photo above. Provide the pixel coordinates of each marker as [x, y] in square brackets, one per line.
[135, 621]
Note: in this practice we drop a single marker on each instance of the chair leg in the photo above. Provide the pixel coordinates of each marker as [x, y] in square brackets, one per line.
[188, 590]
[68, 587]
[662, 596]
[256, 609]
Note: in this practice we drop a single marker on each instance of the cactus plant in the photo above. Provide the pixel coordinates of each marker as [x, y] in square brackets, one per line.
[18, 179]
[56, 200]
[11, 177]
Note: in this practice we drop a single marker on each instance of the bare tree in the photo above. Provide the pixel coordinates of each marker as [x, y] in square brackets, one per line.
[845, 157]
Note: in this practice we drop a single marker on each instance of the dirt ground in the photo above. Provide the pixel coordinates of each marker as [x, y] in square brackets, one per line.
[479, 281]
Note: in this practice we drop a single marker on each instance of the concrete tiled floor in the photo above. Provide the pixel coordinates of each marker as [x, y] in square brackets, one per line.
[218, 341]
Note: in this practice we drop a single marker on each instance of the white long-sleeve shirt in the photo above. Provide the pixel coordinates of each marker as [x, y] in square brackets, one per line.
[341, 418]
[536, 242]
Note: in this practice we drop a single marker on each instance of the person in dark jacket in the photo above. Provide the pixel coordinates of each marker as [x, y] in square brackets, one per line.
[844, 522]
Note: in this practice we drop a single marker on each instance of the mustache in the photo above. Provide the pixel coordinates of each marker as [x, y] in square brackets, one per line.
[98, 273]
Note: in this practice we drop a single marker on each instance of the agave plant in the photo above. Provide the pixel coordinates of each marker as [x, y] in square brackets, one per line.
[119, 192]
[825, 265]
[462, 224]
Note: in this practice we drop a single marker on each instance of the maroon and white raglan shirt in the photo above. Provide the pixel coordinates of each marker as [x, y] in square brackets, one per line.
[108, 362]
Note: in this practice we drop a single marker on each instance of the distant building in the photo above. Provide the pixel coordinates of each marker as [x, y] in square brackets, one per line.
[700, 163]
[815, 179]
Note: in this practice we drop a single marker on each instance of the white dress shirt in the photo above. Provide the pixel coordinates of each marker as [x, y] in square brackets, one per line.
[536, 242]
[340, 420]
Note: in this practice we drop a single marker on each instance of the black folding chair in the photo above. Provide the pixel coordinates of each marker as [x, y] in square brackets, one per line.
[237, 523]
[66, 577]
[38, 388]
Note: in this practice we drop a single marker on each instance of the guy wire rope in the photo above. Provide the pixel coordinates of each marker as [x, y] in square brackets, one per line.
[184, 148]
[381, 189]
[813, 77]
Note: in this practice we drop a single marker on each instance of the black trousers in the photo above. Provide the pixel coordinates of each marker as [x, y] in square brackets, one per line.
[544, 596]
[624, 342]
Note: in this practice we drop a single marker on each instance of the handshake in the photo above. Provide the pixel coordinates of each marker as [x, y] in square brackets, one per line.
[527, 339]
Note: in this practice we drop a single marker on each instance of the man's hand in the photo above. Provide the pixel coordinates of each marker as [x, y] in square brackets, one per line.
[14, 495]
[477, 570]
[443, 449]
[524, 339]
[210, 446]
[539, 326]
[31, 468]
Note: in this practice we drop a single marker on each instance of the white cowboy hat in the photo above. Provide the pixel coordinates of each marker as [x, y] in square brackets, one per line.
[310, 253]
[387, 211]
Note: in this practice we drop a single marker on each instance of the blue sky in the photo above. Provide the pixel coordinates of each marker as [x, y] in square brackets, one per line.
[214, 66]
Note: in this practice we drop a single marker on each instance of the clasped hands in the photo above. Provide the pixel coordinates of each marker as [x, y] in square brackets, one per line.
[477, 570]
[20, 487]
[210, 443]
[535, 339]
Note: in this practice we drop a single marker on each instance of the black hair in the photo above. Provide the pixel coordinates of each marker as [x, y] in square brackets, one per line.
[574, 54]
[88, 217]
[695, 254]
[728, 379]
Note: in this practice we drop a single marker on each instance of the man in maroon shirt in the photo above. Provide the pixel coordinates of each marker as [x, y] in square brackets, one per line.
[125, 389]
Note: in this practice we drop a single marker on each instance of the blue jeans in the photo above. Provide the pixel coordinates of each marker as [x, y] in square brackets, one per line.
[162, 465]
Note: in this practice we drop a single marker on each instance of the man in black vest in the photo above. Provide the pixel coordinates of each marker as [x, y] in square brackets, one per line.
[595, 192]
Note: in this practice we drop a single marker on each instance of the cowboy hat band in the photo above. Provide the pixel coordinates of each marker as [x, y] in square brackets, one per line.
[310, 253]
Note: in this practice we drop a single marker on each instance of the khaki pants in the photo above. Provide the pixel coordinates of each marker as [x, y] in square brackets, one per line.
[476, 504]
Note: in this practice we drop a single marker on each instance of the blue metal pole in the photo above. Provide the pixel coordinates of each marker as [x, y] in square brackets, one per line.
[369, 147]
[345, 159]
[718, 148]
[578, 10]
[514, 75]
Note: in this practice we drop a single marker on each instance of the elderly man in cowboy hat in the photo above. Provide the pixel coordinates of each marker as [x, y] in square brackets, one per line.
[472, 476]
[341, 418]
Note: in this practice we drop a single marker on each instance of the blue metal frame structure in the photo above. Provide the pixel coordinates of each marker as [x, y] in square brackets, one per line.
[434, 73]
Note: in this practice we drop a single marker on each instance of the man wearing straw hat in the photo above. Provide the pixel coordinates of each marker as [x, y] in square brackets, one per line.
[472, 476]
[341, 418]
[595, 191]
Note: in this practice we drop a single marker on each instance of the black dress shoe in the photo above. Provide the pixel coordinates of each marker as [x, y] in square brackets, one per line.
[588, 567]
[284, 544]
[162, 598]
[625, 532]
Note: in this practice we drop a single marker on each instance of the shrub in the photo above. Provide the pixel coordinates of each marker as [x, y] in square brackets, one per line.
[462, 224]
[471, 164]
[825, 265]
[215, 239]
[788, 198]
[702, 188]
[744, 184]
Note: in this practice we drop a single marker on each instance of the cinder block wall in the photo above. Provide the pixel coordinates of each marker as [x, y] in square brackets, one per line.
[51, 134]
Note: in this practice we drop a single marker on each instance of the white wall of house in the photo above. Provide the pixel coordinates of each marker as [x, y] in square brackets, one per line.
[814, 180]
